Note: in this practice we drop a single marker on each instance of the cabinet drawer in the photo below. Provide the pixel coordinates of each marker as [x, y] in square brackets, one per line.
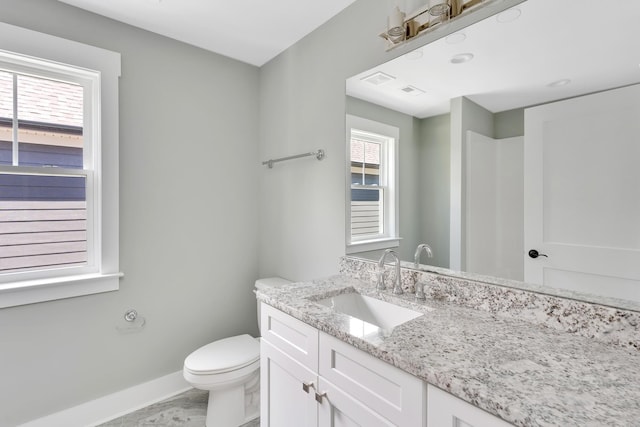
[293, 337]
[447, 410]
[394, 394]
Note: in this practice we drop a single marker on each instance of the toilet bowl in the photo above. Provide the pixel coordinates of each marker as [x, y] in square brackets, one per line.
[230, 370]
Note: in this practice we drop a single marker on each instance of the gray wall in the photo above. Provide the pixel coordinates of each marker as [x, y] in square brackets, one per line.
[188, 128]
[507, 124]
[409, 160]
[424, 180]
[302, 107]
[191, 255]
[465, 115]
[435, 161]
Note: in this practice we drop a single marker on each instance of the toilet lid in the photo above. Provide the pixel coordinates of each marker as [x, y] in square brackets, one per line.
[224, 355]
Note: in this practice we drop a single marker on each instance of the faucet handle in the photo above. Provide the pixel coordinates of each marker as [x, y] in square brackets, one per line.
[420, 291]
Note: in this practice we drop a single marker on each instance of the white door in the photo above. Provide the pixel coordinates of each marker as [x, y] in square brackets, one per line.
[284, 402]
[582, 193]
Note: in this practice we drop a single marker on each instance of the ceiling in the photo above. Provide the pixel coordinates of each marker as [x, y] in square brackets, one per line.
[515, 63]
[251, 31]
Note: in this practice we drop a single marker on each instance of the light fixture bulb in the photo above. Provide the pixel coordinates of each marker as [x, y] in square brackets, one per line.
[439, 9]
[396, 23]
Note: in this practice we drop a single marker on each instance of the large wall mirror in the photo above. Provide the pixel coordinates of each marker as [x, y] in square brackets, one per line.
[519, 148]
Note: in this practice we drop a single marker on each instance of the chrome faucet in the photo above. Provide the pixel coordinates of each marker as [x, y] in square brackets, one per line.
[419, 249]
[420, 296]
[397, 288]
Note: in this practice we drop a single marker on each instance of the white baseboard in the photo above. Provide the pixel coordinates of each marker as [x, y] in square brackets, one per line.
[115, 405]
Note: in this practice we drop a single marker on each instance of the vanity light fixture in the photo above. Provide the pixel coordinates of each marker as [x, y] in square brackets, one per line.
[439, 11]
[395, 25]
[461, 58]
[402, 26]
[378, 78]
[559, 83]
[438, 8]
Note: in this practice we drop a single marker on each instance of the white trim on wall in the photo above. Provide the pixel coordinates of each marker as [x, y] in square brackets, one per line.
[115, 405]
[53, 55]
[391, 237]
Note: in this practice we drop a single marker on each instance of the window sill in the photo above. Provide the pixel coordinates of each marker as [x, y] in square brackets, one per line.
[372, 245]
[33, 291]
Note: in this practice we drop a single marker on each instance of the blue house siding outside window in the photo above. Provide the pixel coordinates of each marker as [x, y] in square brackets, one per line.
[37, 187]
[43, 212]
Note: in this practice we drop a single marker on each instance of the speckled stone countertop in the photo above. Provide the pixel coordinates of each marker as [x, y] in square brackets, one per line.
[526, 373]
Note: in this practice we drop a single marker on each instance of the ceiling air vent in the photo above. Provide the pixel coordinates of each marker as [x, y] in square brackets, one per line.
[412, 90]
[378, 78]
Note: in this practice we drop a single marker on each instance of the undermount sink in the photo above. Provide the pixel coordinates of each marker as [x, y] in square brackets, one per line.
[380, 313]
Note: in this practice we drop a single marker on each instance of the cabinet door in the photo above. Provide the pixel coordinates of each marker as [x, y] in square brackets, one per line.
[394, 394]
[337, 409]
[283, 401]
[444, 409]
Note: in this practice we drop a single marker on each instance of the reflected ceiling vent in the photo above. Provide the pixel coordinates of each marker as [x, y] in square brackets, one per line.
[378, 78]
[412, 90]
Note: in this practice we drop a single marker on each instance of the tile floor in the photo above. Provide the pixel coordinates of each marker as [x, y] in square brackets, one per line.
[187, 409]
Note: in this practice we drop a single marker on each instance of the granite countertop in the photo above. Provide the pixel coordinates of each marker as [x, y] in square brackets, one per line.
[525, 373]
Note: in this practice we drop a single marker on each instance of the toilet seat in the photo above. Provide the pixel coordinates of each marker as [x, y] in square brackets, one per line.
[230, 370]
[225, 355]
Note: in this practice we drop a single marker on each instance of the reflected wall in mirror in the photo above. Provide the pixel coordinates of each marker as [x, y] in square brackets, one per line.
[520, 133]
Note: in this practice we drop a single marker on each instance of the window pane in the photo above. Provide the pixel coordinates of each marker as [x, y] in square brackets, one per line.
[366, 212]
[6, 117]
[365, 162]
[50, 117]
[357, 161]
[42, 222]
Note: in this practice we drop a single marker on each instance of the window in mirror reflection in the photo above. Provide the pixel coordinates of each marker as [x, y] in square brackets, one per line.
[372, 181]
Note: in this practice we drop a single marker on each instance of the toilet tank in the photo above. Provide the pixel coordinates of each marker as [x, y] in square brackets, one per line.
[269, 282]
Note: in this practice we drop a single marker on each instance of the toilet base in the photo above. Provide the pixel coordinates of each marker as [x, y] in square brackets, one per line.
[234, 406]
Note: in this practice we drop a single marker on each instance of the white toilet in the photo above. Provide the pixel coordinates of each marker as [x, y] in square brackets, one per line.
[229, 369]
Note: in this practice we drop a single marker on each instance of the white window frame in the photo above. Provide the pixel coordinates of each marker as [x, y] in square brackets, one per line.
[389, 167]
[98, 71]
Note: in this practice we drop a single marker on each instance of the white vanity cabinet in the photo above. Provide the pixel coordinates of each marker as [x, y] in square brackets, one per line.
[288, 371]
[283, 402]
[398, 398]
[309, 378]
[447, 410]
